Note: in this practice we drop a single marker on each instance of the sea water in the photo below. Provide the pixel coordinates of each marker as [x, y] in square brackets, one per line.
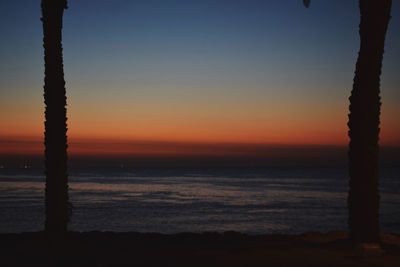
[172, 200]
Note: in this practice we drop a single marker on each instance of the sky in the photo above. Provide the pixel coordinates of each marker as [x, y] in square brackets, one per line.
[160, 77]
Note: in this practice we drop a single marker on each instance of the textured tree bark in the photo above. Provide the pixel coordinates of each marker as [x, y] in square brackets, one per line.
[55, 140]
[363, 200]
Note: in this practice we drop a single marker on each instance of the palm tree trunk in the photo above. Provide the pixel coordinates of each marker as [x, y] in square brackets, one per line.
[56, 201]
[363, 200]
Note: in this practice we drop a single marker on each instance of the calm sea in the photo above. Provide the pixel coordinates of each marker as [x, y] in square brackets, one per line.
[171, 200]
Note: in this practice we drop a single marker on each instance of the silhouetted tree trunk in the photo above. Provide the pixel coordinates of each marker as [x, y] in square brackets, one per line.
[363, 200]
[57, 207]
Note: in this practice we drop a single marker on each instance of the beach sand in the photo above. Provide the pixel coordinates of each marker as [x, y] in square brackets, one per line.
[189, 249]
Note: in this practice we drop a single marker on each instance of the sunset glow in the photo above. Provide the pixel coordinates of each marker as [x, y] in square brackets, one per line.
[243, 74]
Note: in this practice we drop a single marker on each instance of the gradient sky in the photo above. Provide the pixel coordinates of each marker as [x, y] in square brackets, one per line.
[200, 71]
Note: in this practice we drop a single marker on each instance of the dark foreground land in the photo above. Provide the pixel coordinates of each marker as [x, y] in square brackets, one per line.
[187, 249]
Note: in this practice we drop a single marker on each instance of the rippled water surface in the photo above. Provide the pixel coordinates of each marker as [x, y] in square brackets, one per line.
[168, 200]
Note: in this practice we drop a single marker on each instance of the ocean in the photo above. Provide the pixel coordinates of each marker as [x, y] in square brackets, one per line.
[171, 200]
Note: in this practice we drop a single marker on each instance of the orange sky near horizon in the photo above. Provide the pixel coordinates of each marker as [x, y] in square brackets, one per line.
[264, 117]
[143, 138]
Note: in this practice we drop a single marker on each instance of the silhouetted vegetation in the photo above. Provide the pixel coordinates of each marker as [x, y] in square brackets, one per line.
[56, 202]
[363, 200]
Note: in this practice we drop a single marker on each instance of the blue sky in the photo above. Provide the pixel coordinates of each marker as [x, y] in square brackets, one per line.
[196, 68]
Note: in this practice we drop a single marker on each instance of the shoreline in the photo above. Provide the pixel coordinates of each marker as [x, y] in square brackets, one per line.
[192, 249]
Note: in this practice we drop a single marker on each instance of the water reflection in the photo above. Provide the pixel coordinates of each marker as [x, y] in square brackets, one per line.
[209, 201]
